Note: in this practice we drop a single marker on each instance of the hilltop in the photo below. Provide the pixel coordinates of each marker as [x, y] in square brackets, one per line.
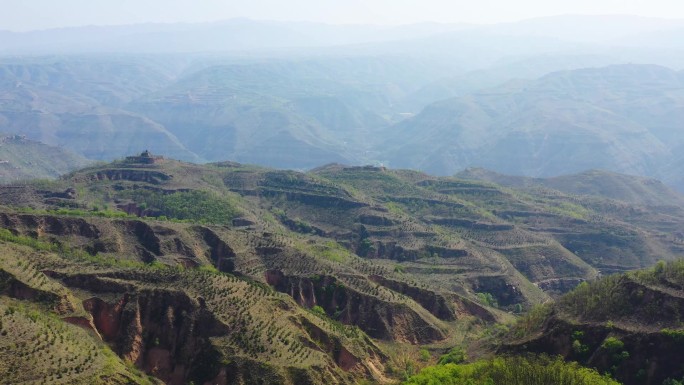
[23, 159]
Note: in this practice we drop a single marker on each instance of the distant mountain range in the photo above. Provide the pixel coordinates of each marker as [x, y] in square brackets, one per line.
[433, 97]
[254, 35]
[297, 114]
[625, 118]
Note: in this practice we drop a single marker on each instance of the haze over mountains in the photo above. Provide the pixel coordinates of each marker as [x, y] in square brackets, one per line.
[625, 118]
[526, 98]
[341, 204]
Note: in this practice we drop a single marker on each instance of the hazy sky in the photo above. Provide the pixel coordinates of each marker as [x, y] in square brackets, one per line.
[22, 15]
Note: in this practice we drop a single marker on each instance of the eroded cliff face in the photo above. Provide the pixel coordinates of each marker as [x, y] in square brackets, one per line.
[219, 252]
[171, 333]
[433, 302]
[42, 225]
[165, 333]
[342, 357]
[379, 319]
[139, 239]
[505, 292]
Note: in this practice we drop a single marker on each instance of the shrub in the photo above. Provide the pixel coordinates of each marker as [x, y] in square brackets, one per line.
[487, 299]
[318, 310]
[511, 371]
[456, 355]
[673, 333]
[612, 344]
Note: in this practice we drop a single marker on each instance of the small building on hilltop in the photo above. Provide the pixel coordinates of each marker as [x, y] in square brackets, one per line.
[145, 157]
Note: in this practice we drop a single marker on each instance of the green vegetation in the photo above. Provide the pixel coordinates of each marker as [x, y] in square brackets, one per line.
[675, 334]
[456, 355]
[614, 297]
[662, 273]
[612, 344]
[196, 206]
[487, 299]
[577, 346]
[532, 321]
[600, 299]
[319, 311]
[616, 352]
[511, 371]
[612, 321]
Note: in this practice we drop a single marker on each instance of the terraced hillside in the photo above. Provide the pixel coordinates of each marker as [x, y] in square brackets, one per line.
[204, 272]
[628, 325]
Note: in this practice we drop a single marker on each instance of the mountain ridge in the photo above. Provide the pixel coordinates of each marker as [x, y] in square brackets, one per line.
[528, 128]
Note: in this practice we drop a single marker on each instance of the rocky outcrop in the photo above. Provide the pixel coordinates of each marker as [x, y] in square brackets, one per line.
[340, 355]
[559, 286]
[444, 252]
[506, 293]
[372, 248]
[379, 319]
[243, 222]
[69, 193]
[465, 307]
[301, 226]
[92, 283]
